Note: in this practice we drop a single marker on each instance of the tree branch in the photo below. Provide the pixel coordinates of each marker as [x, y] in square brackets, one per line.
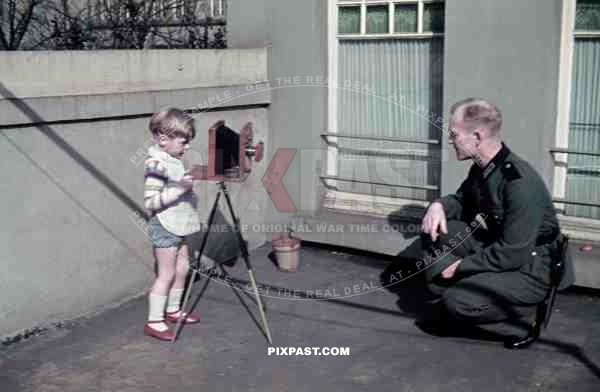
[23, 23]
[12, 10]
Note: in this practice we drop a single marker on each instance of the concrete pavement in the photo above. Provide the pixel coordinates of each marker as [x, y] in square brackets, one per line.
[228, 352]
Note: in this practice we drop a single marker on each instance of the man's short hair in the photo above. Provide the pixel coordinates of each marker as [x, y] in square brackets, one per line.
[477, 112]
[170, 121]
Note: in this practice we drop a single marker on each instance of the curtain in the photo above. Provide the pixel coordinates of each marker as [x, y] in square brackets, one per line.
[389, 88]
[433, 17]
[587, 16]
[349, 20]
[583, 172]
[405, 18]
[377, 19]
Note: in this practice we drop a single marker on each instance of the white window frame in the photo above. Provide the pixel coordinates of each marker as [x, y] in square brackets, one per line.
[337, 200]
[391, 22]
[216, 8]
[577, 227]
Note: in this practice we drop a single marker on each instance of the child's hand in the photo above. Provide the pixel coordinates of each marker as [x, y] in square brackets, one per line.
[198, 172]
[186, 183]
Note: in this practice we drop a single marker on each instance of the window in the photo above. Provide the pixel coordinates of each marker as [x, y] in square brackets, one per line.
[386, 58]
[405, 18]
[587, 15]
[433, 17]
[390, 17]
[349, 20]
[577, 156]
[217, 8]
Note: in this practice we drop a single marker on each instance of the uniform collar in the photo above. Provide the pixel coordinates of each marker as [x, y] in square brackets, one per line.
[498, 159]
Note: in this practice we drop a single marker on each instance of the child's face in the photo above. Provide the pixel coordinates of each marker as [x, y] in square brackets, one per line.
[175, 143]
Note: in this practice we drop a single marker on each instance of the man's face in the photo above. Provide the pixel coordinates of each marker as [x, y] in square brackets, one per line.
[463, 140]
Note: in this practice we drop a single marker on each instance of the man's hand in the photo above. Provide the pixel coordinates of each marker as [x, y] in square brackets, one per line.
[434, 221]
[450, 270]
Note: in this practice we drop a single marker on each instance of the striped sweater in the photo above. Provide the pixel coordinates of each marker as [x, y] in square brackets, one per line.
[175, 207]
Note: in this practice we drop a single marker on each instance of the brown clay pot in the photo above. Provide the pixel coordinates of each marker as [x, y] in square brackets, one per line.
[287, 253]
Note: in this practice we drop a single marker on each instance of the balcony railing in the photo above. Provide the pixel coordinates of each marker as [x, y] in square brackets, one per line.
[559, 150]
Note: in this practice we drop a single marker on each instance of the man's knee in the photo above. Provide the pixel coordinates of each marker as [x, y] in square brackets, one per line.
[464, 306]
[434, 286]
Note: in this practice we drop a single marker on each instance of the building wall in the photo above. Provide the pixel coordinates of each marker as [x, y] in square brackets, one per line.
[512, 59]
[295, 33]
[507, 51]
[71, 149]
[249, 23]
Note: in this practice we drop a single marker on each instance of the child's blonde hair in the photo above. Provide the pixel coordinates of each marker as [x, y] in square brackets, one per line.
[171, 121]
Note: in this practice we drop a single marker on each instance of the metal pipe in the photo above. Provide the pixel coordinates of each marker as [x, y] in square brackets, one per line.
[382, 138]
[362, 181]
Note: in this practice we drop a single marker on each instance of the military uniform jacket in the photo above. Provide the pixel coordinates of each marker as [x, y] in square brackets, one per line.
[522, 227]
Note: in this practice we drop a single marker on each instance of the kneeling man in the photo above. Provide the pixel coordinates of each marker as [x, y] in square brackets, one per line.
[490, 245]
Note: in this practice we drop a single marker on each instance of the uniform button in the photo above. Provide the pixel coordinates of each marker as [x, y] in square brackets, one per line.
[534, 253]
[508, 165]
[495, 216]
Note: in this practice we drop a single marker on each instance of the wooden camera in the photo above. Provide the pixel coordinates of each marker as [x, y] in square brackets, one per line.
[231, 153]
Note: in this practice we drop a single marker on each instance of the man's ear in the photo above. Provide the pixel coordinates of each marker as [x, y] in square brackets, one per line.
[478, 133]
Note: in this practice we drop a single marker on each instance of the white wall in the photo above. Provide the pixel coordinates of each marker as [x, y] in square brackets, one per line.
[69, 137]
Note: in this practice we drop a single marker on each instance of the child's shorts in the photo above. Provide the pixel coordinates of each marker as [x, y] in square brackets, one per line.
[161, 238]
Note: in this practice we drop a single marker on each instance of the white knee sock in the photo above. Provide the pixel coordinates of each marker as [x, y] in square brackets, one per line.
[174, 302]
[156, 311]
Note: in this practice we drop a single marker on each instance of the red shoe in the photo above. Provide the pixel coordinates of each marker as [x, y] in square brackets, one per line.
[189, 319]
[162, 335]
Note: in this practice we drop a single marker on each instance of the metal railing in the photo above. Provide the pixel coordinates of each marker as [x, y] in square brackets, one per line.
[430, 142]
[382, 138]
[559, 150]
[370, 182]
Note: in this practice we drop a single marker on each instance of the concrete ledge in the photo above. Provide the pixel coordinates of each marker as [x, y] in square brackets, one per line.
[586, 263]
[582, 229]
[59, 73]
[364, 232]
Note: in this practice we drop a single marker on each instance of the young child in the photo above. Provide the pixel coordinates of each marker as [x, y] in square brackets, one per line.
[169, 197]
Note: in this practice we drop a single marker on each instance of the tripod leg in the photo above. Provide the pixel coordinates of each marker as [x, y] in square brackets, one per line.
[195, 270]
[260, 307]
[246, 256]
